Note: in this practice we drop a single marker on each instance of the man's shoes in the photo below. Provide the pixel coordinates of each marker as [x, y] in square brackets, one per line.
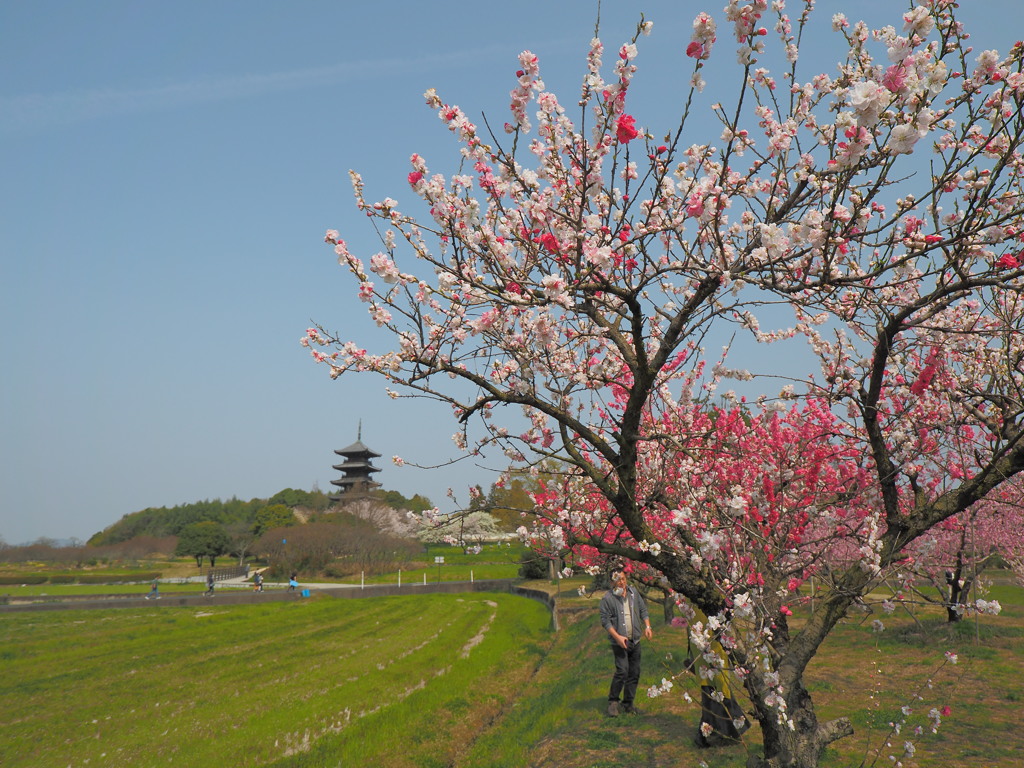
[613, 709]
[629, 709]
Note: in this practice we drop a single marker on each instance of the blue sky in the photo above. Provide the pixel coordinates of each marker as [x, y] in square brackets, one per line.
[167, 172]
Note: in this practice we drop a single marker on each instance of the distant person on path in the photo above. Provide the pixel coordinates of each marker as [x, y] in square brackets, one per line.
[154, 590]
[293, 583]
[209, 584]
[624, 617]
[257, 582]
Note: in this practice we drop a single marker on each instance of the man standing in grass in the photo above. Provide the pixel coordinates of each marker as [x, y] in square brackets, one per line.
[624, 617]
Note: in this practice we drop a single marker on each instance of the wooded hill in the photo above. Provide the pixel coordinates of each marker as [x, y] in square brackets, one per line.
[169, 521]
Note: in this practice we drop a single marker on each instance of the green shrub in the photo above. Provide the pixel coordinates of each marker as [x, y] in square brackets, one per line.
[63, 578]
[533, 566]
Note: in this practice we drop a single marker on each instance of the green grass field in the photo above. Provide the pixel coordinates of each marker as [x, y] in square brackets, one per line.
[259, 685]
[454, 680]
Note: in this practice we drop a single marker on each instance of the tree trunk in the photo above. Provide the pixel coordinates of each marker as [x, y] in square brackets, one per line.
[957, 592]
[802, 745]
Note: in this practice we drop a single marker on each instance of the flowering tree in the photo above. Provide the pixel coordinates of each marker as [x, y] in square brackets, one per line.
[465, 530]
[576, 272]
[954, 554]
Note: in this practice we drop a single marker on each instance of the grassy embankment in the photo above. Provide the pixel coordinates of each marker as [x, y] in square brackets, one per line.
[399, 682]
[496, 561]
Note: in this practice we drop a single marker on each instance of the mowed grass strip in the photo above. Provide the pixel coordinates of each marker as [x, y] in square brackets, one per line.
[437, 724]
[238, 685]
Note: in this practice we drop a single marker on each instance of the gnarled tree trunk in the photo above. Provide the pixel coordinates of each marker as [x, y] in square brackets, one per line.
[801, 745]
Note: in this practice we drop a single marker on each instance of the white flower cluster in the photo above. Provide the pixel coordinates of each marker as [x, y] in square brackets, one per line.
[654, 549]
[991, 607]
[661, 689]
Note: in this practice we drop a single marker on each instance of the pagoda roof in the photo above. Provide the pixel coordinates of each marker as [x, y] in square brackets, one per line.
[353, 465]
[356, 449]
[346, 482]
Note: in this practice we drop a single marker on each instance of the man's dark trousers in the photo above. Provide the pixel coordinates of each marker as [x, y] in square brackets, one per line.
[627, 673]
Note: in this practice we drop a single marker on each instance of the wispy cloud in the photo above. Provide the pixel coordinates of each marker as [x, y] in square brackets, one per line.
[32, 112]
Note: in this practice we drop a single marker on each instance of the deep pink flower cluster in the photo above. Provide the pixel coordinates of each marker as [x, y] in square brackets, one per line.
[1009, 260]
[625, 129]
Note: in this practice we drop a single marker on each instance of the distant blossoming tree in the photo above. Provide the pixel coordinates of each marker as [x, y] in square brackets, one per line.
[576, 270]
[952, 557]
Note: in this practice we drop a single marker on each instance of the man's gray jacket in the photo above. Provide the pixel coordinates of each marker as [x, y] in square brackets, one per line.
[613, 613]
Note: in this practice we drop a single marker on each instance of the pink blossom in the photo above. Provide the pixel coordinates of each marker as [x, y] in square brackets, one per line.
[924, 380]
[550, 242]
[918, 21]
[903, 138]
[1008, 261]
[625, 129]
[895, 78]
[695, 50]
[912, 224]
[415, 177]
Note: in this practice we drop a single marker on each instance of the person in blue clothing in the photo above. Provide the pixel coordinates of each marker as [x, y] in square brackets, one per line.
[624, 617]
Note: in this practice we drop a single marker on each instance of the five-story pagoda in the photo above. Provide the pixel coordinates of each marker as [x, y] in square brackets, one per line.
[357, 468]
